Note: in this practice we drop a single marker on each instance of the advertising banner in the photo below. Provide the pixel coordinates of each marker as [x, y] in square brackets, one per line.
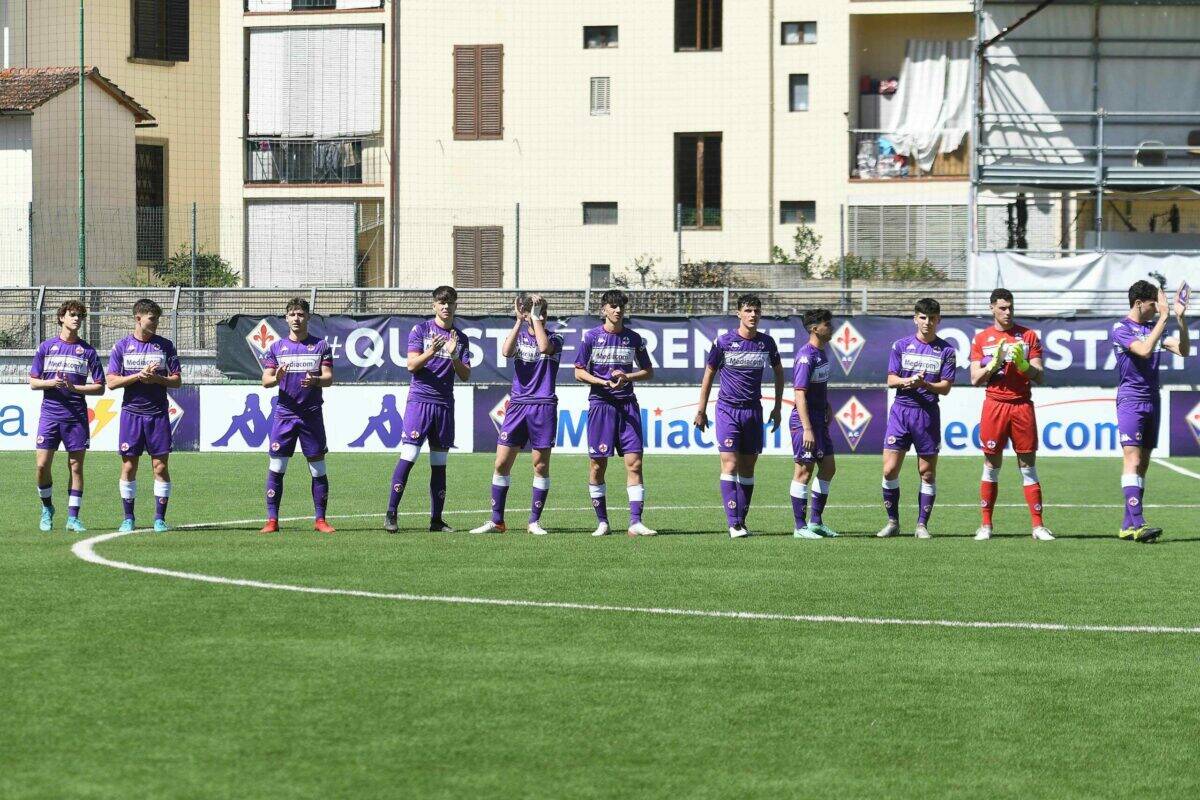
[667, 414]
[1183, 420]
[358, 419]
[374, 349]
[20, 409]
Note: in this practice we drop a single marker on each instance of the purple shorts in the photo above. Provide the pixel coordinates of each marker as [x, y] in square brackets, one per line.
[428, 420]
[309, 429]
[823, 445]
[614, 428]
[73, 434]
[1137, 422]
[535, 424]
[145, 434]
[740, 430]
[914, 426]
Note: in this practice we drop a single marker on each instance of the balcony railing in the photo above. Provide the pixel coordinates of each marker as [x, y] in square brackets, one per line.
[309, 5]
[276, 160]
[873, 156]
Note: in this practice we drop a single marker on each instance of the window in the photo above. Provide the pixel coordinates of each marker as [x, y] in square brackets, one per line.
[309, 5]
[478, 257]
[798, 92]
[160, 30]
[600, 96]
[697, 24]
[599, 213]
[600, 276]
[479, 91]
[151, 211]
[698, 179]
[798, 33]
[796, 212]
[597, 36]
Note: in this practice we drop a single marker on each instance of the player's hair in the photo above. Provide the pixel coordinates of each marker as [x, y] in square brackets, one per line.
[147, 306]
[752, 300]
[1142, 290]
[71, 305]
[928, 306]
[445, 294]
[297, 302]
[615, 298]
[815, 317]
[1000, 294]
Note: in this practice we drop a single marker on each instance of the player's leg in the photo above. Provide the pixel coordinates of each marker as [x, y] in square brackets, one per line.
[284, 432]
[750, 441]
[127, 487]
[75, 496]
[893, 461]
[541, 489]
[826, 468]
[44, 477]
[1025, 442]
[441, 439]
[162, 489]
[597, 492]
[993, 436]
[629, 443]
[416, 423]
[729, 493]
[801, 477]
[927, 467]
[746, 464]
[314, 445]
[1138, 426]
[501, 479]
[602, 440]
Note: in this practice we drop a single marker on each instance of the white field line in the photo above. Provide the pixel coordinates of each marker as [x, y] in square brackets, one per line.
[85, 550]
[1162, 462]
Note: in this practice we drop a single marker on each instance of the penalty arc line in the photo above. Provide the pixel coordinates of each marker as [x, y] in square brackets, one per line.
[85, 550]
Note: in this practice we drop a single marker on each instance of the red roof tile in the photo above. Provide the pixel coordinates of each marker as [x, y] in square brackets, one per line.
[24, 89]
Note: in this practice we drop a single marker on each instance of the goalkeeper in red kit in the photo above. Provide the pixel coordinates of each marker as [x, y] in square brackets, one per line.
[1006, 358]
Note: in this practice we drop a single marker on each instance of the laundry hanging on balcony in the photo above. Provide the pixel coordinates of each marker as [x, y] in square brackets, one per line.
[933, 100]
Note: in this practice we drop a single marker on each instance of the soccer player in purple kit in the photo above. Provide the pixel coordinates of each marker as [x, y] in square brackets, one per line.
[301, 365]
[740, 356]
[532, 414]
[811, 442]
[610, 359]
[145, 365]
[920, 369]
[437, 353]
[1138, 345]
[64, 369]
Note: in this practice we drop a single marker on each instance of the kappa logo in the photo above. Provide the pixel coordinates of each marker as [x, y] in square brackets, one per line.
[848, 343]
[853, 419]
[261, 337]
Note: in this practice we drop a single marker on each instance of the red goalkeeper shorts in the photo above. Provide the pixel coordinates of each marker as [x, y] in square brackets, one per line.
[1003, 421]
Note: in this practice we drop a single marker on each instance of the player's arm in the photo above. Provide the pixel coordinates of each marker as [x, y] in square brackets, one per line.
[1142, 348]
[583, 376]
[41, 384]
[938, 387]
[776, 417]
[96, 384]
[417, 359]
[1027, 358]
[509, 346]
[641, 359]
[980, 374]
[545, 344]
[701, 418]
[460, 361]
[1182, 345]
[800, 398]
[114, 379]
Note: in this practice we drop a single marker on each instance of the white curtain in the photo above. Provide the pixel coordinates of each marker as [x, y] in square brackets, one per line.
[933, 108]
[309, 243]
[319, 82]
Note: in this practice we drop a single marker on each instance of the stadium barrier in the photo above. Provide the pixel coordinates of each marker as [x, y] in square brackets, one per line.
[1072, 421]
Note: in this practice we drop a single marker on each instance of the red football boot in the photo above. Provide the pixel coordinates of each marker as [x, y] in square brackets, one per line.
[321, 526]
[272, 526]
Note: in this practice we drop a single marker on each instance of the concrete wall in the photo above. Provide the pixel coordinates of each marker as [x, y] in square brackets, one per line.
[16, 176]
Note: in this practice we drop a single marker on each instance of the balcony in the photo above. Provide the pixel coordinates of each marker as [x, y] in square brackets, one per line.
[872, 157]
[277, 6]
[280, 161]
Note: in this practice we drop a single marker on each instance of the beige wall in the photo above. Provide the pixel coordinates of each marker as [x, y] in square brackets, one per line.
[183, 97]
[110, 195]
[16, 176]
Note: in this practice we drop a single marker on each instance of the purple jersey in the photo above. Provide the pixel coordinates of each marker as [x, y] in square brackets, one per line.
[535, 374]
[910, 356]
[1137, 375]
[602, 353]
[740, 363]
[434, 382]
[811, 373]
[302, 358]
[130, 356]
[78, 363]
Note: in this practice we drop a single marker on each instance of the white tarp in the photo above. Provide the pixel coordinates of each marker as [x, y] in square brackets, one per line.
[933, 108]
[301, 243]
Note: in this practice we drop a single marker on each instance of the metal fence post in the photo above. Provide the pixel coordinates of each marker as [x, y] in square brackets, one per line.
[193, 243]
[517, 260]
[725, 299]
[29, 241]
[678, 236]
[587, 300]
[842, 253]
[39, 316]
[175, 317]
[312, 300]
[865, 295]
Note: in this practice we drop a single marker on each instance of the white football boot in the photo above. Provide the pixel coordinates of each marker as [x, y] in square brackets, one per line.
[891, 529]
[601, 529]
[537, 530]
[921, 532]
[1042, 534]
[639, 529]
[984, 533]
[490, 527]
[739, 532]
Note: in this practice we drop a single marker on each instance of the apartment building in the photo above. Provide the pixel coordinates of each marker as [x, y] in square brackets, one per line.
[164, 54]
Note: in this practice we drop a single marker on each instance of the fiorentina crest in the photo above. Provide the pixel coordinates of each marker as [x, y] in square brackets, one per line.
[260, 338]
[853, 418]
[848, 343]
[496, 415]
[174, 413]
[1193, 422]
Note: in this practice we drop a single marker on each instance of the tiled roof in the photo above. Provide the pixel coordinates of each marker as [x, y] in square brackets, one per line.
[24, 89]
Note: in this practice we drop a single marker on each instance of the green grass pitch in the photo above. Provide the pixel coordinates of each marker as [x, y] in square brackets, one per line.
[117, 684]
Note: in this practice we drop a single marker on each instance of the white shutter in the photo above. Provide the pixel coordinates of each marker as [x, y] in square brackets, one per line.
[358, 4]
[298, 83]
[269, 5]
[267, 60]
[600, 96]
[301, 244]
[364, 76]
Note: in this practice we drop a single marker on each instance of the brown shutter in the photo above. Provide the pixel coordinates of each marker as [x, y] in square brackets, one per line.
[491, 91]
[466, 92]
[466, 257]
[177, 30]
[491, 257]
[147, 19]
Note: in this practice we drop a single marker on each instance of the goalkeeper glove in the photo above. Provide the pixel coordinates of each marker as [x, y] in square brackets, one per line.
[1018, 356]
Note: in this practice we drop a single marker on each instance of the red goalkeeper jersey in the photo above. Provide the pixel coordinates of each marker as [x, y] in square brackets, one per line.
[1008, 384]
